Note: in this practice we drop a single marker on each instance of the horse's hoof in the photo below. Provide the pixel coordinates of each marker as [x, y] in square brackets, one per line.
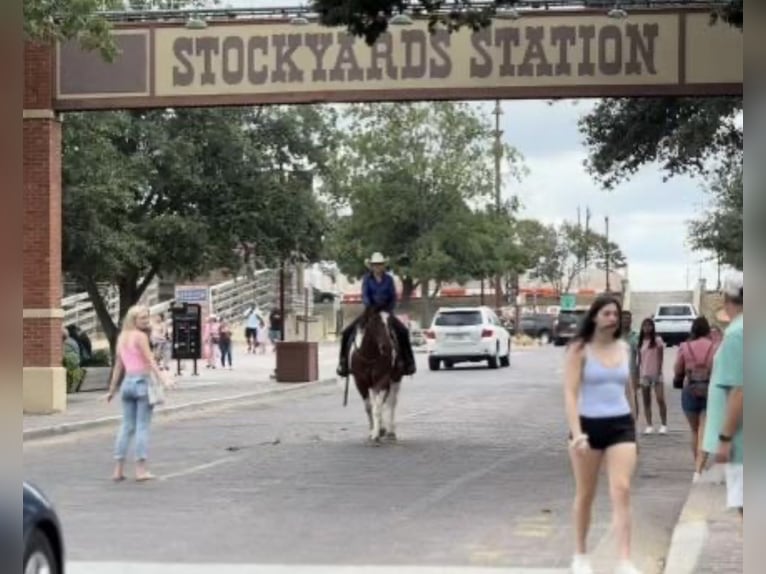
[382, 433]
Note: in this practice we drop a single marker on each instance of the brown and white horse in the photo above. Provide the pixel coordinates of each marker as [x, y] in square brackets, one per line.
[377, 373]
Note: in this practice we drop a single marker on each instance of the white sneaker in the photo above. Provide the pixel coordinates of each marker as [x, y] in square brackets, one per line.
[649, 430]
[696, 477]
[626, 567]
[664, 429]
[581, 564]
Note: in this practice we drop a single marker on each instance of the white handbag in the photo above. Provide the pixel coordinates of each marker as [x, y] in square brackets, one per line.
[156, 391]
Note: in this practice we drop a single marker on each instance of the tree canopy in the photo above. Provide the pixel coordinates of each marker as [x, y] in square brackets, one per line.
[182, 192]
[415, 181]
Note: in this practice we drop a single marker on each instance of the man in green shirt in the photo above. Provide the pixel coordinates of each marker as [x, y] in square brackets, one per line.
[724, 429]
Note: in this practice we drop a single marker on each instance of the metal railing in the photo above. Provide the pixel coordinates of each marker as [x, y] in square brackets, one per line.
[230, 300]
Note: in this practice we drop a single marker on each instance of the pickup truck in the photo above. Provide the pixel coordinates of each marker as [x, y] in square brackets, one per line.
[673, 322]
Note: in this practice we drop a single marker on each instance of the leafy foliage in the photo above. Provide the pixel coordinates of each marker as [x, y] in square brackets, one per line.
[566, 251]
[720, 230]
[413, 181]
[179, 193]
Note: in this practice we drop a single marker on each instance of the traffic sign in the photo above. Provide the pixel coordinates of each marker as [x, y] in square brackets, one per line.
[568, 302]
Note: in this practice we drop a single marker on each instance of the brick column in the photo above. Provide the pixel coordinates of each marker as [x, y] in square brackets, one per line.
[44, 376]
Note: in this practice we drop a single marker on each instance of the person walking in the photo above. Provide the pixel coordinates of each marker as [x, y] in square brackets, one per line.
[276, 324]
[601, 418]
[211, 335]
[225, 343]
[694, 364]
[630, 336]
[651, 354]
[134, 366]
[252, 325]
[160, 342]
[724, 429]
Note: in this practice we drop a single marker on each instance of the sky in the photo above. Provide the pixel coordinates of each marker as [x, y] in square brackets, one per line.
[648, 216]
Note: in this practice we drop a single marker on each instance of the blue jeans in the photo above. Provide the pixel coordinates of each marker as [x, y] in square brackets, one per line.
[136, 417]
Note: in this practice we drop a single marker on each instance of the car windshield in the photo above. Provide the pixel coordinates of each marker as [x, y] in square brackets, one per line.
[458, 319]
[674, 311]
[570, 316]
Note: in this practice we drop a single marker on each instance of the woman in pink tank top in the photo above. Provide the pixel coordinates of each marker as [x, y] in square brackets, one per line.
[134, 366]
[694, 364]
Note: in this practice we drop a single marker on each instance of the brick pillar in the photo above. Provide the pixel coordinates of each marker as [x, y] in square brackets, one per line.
[44, 376]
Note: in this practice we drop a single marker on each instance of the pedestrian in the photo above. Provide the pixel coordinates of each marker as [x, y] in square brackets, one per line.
[224, 343]
[160, 342]
[724, 429]
[252, 321]
[600, 413]
[263, 336]
[694, 364]
[651, 354]
[211, 334]
[134, 366]
[630, 336]
[276, 324]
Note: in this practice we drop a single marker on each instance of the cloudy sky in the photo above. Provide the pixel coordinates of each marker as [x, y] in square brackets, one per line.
[648, 217]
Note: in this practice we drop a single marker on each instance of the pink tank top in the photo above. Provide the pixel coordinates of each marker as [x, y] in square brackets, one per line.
[133, 359]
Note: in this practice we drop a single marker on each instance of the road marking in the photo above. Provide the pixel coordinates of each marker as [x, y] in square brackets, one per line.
[209, 568]
[198, 468]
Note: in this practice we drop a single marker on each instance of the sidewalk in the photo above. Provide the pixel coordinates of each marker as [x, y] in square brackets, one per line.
[251, 377]
[707, 538]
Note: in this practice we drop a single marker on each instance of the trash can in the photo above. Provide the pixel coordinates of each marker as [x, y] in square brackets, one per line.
[297, 362]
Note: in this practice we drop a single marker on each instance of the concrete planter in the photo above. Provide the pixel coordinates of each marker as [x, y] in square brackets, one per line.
[96, 379]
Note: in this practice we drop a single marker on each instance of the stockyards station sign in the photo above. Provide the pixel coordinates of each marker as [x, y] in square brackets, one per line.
[542, 56]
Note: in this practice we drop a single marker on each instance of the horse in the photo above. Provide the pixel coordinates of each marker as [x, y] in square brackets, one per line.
[377, 372]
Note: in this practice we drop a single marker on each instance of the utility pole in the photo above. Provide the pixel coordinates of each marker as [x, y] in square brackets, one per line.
[607, 254]
[498, 192]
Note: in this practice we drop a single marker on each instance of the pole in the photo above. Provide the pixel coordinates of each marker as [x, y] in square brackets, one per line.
[498, 192]
[282, 299]
[607, 254]
[306, 314]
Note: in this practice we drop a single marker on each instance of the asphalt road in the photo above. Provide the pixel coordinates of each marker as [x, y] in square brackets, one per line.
[479, 478]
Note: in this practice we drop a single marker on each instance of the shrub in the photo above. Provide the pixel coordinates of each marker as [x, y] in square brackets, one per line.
[75, 374]
[99, 358]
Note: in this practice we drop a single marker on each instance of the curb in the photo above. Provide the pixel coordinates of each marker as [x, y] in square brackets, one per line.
[67, 428]
[691, 531]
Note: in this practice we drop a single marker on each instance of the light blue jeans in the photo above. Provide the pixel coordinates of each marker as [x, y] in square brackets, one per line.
[136, 417]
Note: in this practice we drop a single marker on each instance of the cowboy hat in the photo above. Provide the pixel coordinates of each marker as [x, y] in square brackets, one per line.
[377, 259]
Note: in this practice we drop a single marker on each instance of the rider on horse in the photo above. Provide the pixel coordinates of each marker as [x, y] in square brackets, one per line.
[379, 292]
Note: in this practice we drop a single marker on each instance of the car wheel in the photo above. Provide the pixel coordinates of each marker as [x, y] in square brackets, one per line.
[433, 364]
[494, 362]
[558, 342]
[448, 364]
[505, 361]
[545, 337]
[39, 557]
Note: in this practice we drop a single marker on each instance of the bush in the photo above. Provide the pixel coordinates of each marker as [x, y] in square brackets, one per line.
[100, 358]
[75, 374]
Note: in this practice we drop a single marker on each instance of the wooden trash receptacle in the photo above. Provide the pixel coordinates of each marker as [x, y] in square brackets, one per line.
[297, 362]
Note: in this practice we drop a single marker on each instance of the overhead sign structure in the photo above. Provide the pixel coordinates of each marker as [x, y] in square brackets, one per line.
[551, 55]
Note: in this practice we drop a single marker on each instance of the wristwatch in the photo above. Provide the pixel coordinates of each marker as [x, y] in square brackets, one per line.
[724, 438]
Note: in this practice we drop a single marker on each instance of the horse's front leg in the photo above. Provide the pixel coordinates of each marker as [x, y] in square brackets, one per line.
[377, 414]
[391, 401]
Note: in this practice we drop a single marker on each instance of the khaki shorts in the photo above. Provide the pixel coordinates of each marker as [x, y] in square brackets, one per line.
[735, 485]
[650, 381]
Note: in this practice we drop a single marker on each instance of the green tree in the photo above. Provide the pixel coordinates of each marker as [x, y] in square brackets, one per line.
[720, 229]
[408, 179]
[371, 19]
[566, 251]
[183, 192]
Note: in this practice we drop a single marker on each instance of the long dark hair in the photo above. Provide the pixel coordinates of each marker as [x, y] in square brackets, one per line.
[700, 328]
[641, 336]
[588, 323]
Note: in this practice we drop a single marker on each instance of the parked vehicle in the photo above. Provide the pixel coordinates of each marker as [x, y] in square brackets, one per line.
[467, 334]
[566, 325]
[43, 541]
[538, 325]
[673, 322]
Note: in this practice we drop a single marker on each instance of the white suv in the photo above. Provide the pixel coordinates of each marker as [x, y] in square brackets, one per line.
[467, 334]
[673, 322]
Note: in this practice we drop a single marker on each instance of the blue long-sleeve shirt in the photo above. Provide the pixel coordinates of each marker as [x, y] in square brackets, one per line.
[380, 293]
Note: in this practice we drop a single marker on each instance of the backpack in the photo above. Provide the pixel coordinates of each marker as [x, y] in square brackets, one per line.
[698, 373]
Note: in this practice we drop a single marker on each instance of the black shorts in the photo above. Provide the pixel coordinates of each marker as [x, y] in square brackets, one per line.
[251, 333]
[609, 431]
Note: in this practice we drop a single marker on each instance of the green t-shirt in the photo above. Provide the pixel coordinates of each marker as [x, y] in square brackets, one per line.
[728, 372]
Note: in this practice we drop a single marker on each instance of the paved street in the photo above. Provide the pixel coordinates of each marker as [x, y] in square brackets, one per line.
[479, 478]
